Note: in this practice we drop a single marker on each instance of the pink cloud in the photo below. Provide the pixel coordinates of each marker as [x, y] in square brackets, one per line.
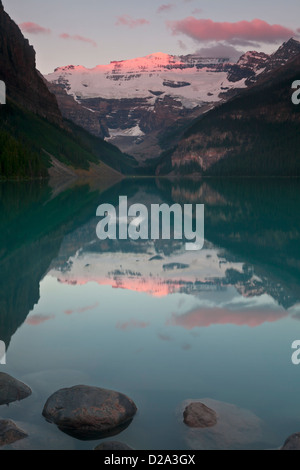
[126, 20]
[218, 316]
[164, 8]
[82, 309]
[36, 320]
[238, 33]
[33, 28]
[132, 324]
[77, 37]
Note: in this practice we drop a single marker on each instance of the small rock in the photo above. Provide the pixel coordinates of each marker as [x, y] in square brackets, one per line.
[197, 415]
[292, 442]
[10, 433]
[113, 445]
[12, 389]
[236, 428]
[89, 413]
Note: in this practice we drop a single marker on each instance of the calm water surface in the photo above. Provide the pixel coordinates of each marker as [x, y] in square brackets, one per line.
[151, 320]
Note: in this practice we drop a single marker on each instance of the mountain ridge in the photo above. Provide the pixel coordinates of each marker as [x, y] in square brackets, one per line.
[136, 102]
[255, 133]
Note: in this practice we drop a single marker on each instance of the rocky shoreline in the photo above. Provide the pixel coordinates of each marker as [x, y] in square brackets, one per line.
[90, 413]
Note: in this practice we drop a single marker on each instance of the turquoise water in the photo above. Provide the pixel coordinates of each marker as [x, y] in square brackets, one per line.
[149, 319]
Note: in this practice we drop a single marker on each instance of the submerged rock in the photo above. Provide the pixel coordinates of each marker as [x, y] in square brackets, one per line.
[292, 442]
[10, 433]
[12, 389]
[236, 428]
[197, 415]
[113, 445]
[89, 412]
[41, 437]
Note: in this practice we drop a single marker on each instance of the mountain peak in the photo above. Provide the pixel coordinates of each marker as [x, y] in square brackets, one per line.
[252, 58]
[287, 51]
[290, 47]
[291, 41]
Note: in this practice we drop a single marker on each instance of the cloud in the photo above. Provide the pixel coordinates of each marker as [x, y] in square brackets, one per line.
[219, 316]
[241, 32]
[33, 28]
[77, 37]
[82, 309]
[220, 50]
[36, 320]
[164, 8]
[132, 324]
[126, 20]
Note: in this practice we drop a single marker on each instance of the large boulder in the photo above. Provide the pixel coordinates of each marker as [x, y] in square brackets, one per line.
[10, 433]
[12, 389]
[89, 412]
[113, 445]
[292, 442]
[197, 415]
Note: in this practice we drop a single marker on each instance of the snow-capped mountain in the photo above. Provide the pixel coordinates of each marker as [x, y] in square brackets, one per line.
[191, 79]
[253, 64]
[139, 98]
[137, 103]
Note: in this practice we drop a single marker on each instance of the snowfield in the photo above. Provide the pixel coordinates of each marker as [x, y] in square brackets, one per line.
[145, 78]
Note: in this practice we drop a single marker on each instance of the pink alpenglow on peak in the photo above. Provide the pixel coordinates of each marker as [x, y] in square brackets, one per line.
[190, 79]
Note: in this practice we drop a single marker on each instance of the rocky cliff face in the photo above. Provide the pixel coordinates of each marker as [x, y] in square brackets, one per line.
[248, 66]
[79, 114]
[18, 70]
[130, 123]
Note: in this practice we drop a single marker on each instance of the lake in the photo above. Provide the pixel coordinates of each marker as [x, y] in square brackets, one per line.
[148, 318]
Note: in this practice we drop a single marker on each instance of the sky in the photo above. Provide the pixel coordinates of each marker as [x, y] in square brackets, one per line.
[94, 32]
